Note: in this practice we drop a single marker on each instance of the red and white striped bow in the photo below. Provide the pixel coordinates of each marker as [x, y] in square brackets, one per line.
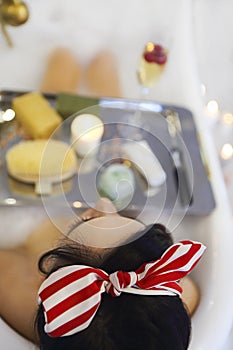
[71, 295]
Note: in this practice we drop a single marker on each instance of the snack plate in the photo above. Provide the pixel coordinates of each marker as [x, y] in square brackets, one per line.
[80, 190]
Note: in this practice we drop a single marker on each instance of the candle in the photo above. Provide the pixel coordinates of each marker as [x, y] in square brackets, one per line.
[86, 133]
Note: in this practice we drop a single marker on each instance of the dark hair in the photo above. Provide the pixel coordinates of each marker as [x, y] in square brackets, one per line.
[128, 322]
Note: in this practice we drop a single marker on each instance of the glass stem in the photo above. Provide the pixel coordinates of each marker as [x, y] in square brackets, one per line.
[144, 93]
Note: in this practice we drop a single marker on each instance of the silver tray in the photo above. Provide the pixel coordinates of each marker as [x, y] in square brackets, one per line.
[115, 113]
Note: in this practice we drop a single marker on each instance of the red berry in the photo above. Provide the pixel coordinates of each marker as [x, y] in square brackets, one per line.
[157, 55]
[158, 48]
[149, 56]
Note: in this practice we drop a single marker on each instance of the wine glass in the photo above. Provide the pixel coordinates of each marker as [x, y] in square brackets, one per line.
[151, 66]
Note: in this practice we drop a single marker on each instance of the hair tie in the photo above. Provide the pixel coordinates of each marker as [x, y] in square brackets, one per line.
[71, 295]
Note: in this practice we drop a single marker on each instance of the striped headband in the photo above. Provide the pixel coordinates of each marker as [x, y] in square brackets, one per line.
[71, 295]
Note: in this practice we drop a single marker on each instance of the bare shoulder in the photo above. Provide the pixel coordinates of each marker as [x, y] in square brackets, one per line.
[44, 237]
[18, 291]
[19, 287]
[190, 294]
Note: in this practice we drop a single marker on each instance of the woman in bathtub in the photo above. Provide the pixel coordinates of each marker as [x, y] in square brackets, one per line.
[83, 296]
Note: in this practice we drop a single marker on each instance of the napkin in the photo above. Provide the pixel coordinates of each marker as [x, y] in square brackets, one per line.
[68, 104]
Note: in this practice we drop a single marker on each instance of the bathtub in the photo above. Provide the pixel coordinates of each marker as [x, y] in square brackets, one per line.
[212, 320]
